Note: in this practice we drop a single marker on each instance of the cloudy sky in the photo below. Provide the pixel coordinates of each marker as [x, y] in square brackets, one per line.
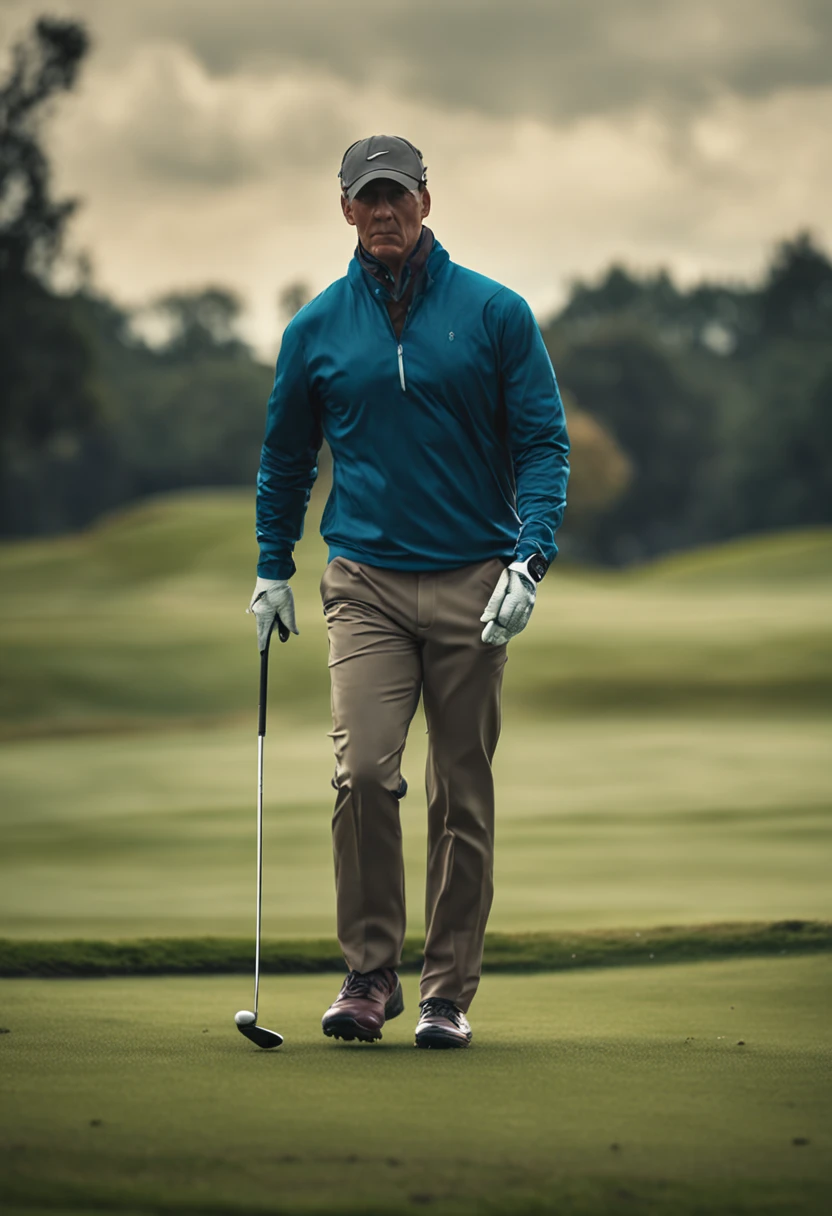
[205, 135]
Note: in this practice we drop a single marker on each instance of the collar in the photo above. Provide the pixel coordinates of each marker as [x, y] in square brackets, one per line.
[411, 270]
[361, 279]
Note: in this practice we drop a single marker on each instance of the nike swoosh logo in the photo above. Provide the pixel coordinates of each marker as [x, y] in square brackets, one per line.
[386, 152]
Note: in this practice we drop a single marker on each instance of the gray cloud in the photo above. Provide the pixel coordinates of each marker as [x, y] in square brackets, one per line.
[179, 125]
[205, 137]
[557, 61]
[554, 59]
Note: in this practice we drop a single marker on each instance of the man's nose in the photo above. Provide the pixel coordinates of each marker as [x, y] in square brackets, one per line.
[382, 206]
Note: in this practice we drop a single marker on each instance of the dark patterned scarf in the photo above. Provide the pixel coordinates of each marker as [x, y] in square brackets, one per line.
[400, 295]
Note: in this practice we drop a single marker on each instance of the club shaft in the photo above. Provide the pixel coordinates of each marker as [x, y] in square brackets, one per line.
[259, 871]
[261, 735]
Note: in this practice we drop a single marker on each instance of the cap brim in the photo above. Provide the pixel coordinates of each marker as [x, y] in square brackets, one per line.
[393, 175]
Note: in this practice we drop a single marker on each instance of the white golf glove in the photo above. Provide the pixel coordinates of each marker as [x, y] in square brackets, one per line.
[272, 598]
[507, 612]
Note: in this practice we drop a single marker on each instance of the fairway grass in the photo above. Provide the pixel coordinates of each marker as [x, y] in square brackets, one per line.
[602, 823]
[692, 1089]
[140, 620]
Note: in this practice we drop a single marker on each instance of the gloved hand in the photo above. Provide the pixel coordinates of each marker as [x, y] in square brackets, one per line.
[272, 598]
[509, 609]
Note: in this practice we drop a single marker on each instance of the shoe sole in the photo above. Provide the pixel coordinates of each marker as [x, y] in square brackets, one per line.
[349, 1029]
[436, 1040]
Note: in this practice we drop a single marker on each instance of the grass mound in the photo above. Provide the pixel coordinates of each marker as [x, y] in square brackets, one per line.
[798, 556]
[511, 953]
[141, 619]
[150, 540]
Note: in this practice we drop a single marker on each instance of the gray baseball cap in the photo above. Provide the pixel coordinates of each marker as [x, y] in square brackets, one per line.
[381, 156]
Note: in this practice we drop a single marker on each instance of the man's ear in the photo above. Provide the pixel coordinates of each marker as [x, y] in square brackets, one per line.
[346, 207]
[425, 195]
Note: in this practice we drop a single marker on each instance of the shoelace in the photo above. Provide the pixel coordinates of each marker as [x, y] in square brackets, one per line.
[438, 1007]
[361, 984]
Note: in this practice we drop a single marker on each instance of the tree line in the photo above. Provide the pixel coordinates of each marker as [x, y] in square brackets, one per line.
[696, 414]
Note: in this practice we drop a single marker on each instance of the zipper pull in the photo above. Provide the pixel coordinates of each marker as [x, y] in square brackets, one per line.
[401, 368]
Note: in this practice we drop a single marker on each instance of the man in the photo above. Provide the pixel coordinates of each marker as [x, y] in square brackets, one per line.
[436, 395]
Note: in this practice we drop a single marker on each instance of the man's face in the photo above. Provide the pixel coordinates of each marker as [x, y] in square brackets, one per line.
[388, 218]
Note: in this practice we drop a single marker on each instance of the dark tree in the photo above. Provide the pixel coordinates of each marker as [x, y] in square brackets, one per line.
[715, 317]
[31, 221]
[48, 402]
[796, 300]
[201, 322]
[636, 388]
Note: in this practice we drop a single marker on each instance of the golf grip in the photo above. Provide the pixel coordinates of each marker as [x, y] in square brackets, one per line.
[264, 688]
[283, 634]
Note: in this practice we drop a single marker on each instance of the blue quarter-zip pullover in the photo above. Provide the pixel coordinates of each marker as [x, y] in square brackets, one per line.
[449, 444]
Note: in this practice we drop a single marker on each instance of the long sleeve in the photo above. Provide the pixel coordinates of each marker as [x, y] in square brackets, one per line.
[536, 431]
[288, 461]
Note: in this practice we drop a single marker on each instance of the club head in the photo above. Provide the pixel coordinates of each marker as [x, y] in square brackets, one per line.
[246, 1023]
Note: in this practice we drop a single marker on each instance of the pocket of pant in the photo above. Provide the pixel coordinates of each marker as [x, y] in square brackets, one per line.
[330, 568]
[324, 580]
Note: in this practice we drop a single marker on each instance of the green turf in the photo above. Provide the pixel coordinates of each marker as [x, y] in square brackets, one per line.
[663, 759]
[698, 1088]
[513, 953]
[799, 555]
[141, 619]
[602, 823]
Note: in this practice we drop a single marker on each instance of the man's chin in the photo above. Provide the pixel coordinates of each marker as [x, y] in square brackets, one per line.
[387, 251]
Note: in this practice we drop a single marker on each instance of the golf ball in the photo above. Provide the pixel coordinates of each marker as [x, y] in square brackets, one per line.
[244, 1018]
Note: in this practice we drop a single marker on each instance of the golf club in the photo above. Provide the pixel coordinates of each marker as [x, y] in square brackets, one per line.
[245, 1020]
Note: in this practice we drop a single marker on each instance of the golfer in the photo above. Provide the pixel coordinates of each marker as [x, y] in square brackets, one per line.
[434, 391]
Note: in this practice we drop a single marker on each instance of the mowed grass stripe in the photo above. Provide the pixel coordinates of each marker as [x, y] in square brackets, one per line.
[504, 952]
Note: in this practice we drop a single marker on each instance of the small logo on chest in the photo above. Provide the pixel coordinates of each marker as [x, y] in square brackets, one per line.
[451, 336]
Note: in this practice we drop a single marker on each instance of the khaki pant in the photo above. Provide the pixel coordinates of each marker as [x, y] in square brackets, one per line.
[393, 635]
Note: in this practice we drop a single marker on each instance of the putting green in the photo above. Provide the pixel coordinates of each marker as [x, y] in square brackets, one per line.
[584, 1093]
